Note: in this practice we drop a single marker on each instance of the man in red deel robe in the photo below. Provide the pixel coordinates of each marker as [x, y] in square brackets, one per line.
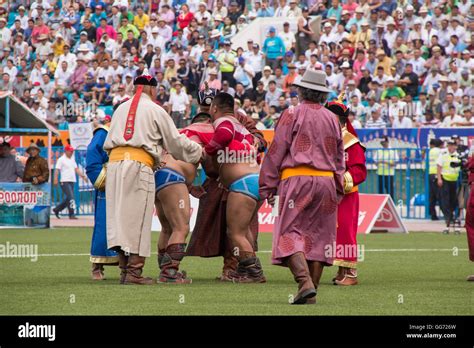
[348, 209]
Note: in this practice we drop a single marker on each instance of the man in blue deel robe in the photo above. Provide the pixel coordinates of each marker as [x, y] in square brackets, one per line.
[96, 160]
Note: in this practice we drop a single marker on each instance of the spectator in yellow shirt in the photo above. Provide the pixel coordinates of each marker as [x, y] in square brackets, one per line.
[58, 45]
[51, 63]
[384, 61]
[141, 19]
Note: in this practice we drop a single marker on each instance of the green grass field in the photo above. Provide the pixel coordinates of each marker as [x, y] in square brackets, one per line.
[427, 282]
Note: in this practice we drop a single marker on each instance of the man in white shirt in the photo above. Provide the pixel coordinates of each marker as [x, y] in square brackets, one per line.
[164, 30]
[402, 121]
[327, 36]
[418, 63]
[197, 50]
[5, 33]
[244, 74]
[157, 40]
[69, 57]
[62, 76]
[180, 106]
[288, 37]
[451, 118]
[282, 9]
[67, 165]
[117, 69]
[256, 60]
[106, 72]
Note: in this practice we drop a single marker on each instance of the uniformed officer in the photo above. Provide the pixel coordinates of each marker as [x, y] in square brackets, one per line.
[435, 151]
[448, 174]
[386, 159]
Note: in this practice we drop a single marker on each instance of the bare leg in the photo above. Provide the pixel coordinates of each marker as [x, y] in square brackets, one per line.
[175, 207]
[239, 213]
[240, 209]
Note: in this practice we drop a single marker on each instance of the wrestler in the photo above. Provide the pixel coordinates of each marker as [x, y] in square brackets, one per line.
[239, 172]
[209, 237]
[173, 204]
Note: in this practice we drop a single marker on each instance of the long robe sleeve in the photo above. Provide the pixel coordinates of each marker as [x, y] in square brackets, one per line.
[355, 163]
[95, 155]
[178, 145]
[272, 162]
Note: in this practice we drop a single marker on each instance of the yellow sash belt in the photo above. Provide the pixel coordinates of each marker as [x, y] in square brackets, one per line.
[125, 153]
[304, 170]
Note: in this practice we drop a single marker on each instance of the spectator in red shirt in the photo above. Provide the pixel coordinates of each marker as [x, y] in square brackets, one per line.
[185, 17]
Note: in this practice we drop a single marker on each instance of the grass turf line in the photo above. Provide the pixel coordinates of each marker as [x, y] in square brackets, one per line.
[431, 283]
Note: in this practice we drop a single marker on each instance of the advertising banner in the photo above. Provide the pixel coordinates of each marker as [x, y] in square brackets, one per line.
[24, 205]
[80, 135]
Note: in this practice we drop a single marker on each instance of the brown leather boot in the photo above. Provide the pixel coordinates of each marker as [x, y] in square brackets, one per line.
[170, 265]
[470, 278]
[230, 265]
[339, 274]
[249, 269]
[316, 270]
[299, 267]
[134, 271]
[97, 272]
[123, 261]
[350, 277]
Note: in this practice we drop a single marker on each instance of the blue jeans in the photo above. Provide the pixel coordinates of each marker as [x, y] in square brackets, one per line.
[68, 201]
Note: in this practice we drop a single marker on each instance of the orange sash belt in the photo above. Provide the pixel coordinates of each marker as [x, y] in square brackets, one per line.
[125, 153]
[354, 189]
[304, 170]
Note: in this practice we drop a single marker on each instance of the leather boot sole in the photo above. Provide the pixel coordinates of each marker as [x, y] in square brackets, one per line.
[304, 296]
[174, 281]
[97, 276]
[346, 282]
[138, 281]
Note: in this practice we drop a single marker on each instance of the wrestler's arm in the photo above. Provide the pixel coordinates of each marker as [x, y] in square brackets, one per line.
[356, 164]
[251, 126]
[178, 145]
[271, 166]
[223, 135]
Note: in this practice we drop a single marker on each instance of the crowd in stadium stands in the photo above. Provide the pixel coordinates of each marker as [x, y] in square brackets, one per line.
[401, 63]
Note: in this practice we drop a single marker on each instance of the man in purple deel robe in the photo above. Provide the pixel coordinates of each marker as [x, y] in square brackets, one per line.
[304, 166]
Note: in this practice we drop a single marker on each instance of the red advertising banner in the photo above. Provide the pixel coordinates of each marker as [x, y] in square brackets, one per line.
[378, 213]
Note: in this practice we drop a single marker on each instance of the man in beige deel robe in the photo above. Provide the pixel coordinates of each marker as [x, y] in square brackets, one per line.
[139, 132]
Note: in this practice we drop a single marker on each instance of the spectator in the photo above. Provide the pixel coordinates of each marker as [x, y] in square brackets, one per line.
[386, 160]
[244, 73]
[66, 166]
[273, 48]
[11, 170]
[375, 121]
[452, 118]
[36, 168]
[179, 106]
